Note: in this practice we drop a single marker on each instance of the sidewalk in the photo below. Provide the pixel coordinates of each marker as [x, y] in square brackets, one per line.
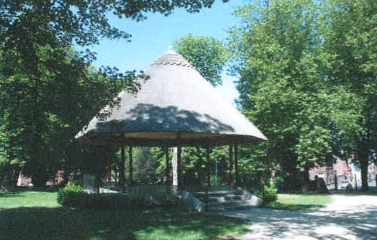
[347, 217]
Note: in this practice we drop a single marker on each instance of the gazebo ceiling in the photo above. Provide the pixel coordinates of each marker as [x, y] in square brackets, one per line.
[175, 106]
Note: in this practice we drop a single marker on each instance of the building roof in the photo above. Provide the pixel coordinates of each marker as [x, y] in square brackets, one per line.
[175, 105]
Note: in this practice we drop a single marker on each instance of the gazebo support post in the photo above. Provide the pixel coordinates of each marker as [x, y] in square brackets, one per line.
[236, 165]
[208, 167]
[179, 166]
[121, 168]
[231, 183]
[109, 164]
[167, 170]
[130, 168]
[208, 175]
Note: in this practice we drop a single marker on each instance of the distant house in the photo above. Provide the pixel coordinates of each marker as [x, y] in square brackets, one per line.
[26, 181]
[372, 172]
[342, 169]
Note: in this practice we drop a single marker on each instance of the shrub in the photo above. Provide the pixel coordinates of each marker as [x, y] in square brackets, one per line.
[74, 196]
[71, 195]
[269, 194]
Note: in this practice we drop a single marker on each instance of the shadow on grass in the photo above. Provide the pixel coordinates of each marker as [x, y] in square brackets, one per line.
[10, 194]
[61, 223]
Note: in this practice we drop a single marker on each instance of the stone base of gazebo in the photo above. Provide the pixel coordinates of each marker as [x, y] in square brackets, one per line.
[199, 199]
[219, 199]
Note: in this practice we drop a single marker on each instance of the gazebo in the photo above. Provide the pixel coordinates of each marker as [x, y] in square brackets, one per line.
[174, 107]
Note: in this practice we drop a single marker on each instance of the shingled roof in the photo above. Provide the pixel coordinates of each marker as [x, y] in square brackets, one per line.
[175, 106]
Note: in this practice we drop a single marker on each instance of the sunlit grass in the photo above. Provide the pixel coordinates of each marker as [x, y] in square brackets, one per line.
[300, 201]
[28, 199]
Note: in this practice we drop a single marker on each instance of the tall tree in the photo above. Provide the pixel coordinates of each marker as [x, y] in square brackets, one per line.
[71, 93]
[279, 62]
[349, 30]
[35, 37]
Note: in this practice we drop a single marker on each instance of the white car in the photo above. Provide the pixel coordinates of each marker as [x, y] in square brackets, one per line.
[346, 184]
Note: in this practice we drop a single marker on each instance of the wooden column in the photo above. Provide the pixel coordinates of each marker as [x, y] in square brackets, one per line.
[167, 169]
[121, 168]
[201, 169]
[236, 165]
[130, 168]
[208, 177]
[208, 167]
[231, 183]
[109, 164]
[179, 170]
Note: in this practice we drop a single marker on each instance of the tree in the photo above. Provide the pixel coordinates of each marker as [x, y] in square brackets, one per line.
[349, 31]
[283, 89]
[82, 22]
[206, 54]
[72, 93]
[42, 81]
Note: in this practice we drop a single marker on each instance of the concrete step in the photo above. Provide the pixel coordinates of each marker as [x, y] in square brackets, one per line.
[221, 199]
[224, 200]
[222, 208]
[218, 193]
[230, 197]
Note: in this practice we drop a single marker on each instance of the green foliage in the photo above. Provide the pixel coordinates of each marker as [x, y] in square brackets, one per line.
[74, 196]
[279, 57]
[206, 54]
[269, 193]
[82, 22]
[47, 90]
[70, 195]
[146, 165]
[349, 29]
[36, 131]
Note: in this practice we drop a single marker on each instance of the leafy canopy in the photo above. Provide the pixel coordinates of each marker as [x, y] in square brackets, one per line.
[206, 54]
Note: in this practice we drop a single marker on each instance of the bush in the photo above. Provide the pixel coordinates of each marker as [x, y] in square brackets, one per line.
[74, 196]
[71, 195]
[269, 194]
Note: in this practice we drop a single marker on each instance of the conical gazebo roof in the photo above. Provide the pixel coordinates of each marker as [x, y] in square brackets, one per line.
[175, 106]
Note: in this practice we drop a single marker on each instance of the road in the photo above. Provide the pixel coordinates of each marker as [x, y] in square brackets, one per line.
[347, 217]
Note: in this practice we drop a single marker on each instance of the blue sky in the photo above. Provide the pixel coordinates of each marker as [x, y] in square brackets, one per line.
[155, 35]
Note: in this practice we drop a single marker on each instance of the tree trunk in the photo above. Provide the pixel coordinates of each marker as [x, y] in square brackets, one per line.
[364, 172]
[39, 177]
[5, 177]
[15, 174]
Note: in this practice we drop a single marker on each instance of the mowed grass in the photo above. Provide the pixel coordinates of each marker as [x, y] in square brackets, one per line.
[36, 215]
[300, 201]
[28, 199]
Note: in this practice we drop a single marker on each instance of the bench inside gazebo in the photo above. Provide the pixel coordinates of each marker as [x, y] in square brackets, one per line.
[175, 107]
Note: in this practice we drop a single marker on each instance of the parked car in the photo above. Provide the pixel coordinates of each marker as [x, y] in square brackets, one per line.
[346, 184]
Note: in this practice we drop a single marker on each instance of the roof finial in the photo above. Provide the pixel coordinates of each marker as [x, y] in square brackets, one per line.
[170, 51]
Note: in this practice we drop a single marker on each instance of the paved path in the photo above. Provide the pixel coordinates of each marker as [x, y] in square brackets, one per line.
[347, 217]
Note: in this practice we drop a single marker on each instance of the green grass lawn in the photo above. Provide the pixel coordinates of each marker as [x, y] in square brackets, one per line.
[300, 201]
[36, 215]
